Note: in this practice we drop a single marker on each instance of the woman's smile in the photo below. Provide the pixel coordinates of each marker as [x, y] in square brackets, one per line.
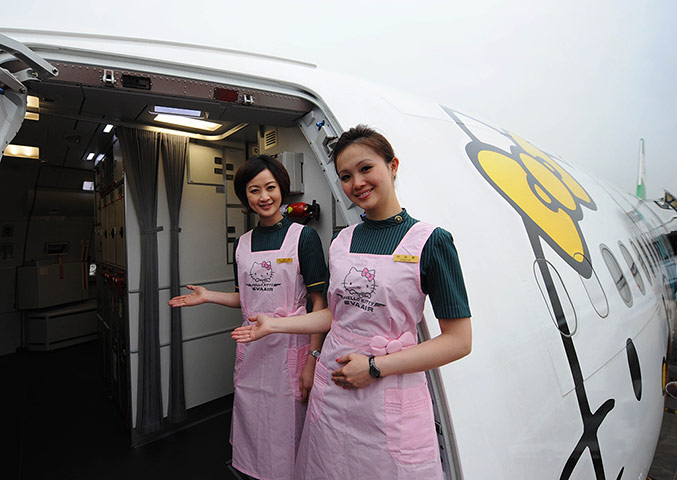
[368, 180]
[265, 197]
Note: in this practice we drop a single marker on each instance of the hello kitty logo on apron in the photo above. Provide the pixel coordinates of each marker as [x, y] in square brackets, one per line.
[262, 275]
[359, 286]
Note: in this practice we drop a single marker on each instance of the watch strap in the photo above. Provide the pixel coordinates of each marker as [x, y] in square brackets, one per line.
[373, 369]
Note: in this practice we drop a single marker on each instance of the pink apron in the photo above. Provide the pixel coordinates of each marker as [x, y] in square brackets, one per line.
[268, 414]
[385, 430]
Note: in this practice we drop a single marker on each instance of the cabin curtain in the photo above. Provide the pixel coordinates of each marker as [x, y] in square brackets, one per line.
[140, 161]
[174, 150]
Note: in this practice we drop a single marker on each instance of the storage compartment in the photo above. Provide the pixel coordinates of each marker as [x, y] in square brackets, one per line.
[60, 327]
[41, 286]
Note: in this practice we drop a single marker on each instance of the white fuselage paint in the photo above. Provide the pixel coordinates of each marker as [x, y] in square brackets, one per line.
[513, 402]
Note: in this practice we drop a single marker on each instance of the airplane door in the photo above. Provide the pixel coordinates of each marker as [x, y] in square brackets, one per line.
[12, 112]
[14, 75]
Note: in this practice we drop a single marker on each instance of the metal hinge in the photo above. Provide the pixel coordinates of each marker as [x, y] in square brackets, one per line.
[108, 78]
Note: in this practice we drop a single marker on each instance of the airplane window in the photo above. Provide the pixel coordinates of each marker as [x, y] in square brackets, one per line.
[633, 267]
[656, 256]
[616, 274]
[594, 289]
[651, 249]
[641, 247]
[641, 262]
[658, 250]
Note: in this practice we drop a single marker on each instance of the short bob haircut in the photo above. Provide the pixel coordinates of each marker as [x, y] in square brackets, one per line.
[366, 136]
[252, 168]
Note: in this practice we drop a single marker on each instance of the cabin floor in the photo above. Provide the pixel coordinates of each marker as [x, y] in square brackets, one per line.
[59, 423]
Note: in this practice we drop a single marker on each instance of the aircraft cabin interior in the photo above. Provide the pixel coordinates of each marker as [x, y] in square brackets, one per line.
[70, 264]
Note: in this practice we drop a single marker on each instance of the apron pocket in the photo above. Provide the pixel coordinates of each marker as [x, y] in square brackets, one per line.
[410, 427]
[239, 358]
[296, 360]
[317, 393]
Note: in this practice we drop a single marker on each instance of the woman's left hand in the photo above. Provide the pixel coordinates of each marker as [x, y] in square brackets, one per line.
[307, 377]
[354, 373]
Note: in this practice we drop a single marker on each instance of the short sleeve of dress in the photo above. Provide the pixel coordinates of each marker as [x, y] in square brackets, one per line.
[441, 276]
[311, 260]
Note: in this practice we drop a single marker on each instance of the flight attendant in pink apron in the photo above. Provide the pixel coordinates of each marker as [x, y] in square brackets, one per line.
[277, 264]
[370, 413]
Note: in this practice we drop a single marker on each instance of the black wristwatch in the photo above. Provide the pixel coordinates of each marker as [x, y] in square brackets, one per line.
[373, 369]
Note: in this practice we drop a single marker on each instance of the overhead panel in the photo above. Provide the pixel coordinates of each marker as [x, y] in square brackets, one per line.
[235, 100]
[58, 98]
[76, 105]
[104, 104]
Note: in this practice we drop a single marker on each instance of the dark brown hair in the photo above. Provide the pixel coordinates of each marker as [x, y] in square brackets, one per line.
[252, 168]
[367, 136]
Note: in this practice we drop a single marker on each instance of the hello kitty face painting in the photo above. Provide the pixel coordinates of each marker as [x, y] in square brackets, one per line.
[361, 283]
[359, 289]
[261, 272]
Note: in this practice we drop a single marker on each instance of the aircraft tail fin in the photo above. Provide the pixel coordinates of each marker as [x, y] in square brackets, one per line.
[641, 189]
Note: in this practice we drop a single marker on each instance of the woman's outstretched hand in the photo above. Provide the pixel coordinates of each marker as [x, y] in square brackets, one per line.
[197, 297]
[259, 328]
[354, 373]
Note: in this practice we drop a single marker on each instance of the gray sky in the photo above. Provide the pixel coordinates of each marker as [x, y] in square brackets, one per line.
[584, 80]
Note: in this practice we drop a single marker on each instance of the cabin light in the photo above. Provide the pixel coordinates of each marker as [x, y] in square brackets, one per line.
[32, 105]
[184, 112]
[89, 186]
[22, 151]
[99, 158]
[188, 122]
[32, 102]
[90, 157]
[108, 128]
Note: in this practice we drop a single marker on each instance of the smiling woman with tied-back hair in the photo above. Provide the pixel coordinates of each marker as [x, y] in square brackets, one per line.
[370, 413]
[277, 265]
